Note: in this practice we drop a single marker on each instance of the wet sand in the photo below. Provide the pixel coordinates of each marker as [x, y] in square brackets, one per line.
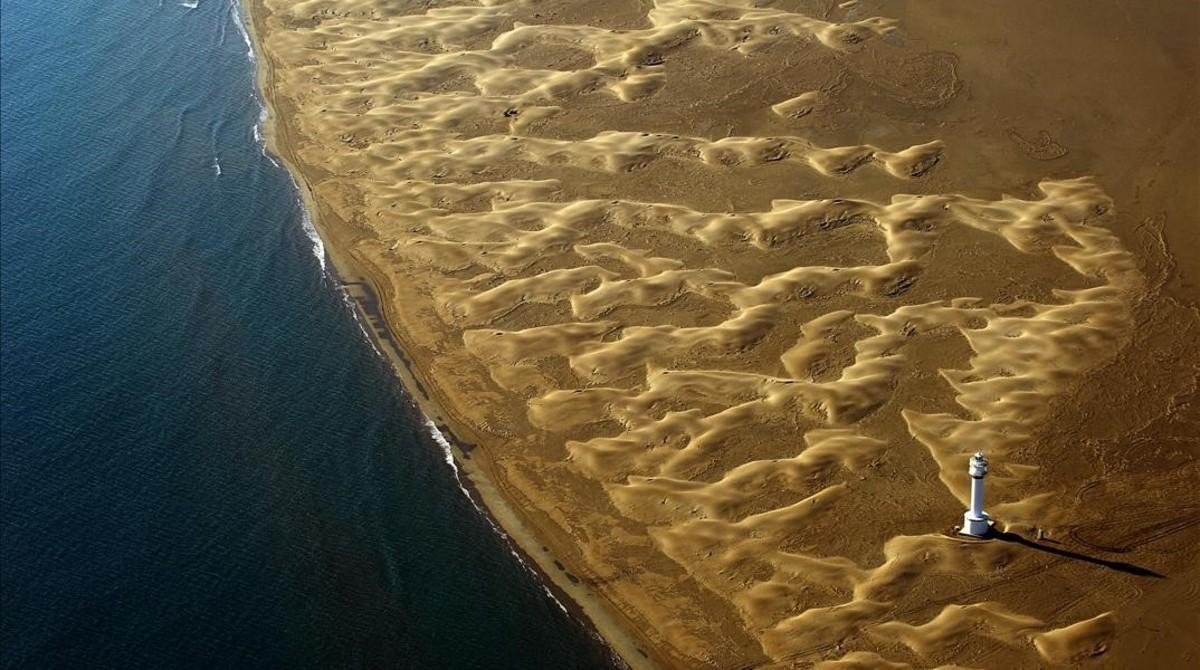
[716, 300]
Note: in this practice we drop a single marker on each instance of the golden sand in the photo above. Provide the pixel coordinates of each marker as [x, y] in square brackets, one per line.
[718, 297]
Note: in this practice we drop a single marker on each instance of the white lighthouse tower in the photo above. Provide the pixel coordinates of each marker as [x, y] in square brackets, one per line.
[976, 522]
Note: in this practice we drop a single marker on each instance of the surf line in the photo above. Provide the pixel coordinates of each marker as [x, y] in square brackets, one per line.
[448, 455]
[306, 224]
[239, 22]
[367, 306]
[367, 312]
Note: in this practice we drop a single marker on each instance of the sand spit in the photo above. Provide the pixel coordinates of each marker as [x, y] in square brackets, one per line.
[720, 296]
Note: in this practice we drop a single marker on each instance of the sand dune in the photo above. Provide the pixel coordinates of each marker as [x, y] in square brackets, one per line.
[726, 295]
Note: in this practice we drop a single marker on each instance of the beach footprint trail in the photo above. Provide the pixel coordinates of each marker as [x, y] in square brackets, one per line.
[739, 370]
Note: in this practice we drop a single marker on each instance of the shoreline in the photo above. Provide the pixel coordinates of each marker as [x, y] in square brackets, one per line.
[484, 491]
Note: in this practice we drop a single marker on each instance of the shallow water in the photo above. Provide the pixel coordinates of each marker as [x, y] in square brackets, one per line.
[205, 464]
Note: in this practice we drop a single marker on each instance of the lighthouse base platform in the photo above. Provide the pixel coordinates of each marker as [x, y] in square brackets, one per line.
[976, 526]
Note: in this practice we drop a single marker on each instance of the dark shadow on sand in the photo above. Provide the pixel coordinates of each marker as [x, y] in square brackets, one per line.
[1120, 566]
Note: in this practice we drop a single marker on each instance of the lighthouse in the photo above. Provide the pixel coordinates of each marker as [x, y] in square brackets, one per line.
[976, 521]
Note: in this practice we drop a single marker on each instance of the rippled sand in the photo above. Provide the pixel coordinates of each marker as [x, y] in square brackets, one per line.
[723, 294]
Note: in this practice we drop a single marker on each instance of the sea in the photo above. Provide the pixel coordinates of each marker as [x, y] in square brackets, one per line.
[203, 461]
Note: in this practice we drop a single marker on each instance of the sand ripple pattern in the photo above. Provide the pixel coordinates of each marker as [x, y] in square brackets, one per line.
[729, 377]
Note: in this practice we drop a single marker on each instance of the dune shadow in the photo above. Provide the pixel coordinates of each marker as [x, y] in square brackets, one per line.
[1120, 566]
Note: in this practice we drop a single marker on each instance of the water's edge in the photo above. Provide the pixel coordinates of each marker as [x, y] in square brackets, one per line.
[360, 291]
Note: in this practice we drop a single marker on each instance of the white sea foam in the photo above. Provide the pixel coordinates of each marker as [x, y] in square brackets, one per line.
[310, 231]
[357, 319]
[448, 455]
[318, 245]
[241, 26]
[261, 141]
[190, 4]
[258, 134]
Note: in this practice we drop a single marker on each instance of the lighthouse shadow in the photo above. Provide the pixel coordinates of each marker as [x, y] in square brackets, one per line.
[1120, 566]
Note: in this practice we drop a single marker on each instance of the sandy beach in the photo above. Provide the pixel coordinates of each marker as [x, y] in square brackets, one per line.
[715, 300]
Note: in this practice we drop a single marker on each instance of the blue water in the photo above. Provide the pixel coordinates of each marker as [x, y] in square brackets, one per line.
[204, 463]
